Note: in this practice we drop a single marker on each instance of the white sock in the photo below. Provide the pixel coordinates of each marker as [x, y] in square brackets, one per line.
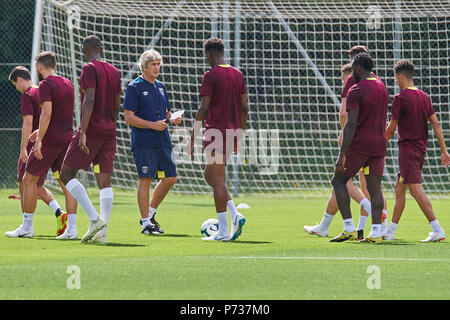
[151, 212]
[71, 221]
[348, 225]
[106, 202]
[145, 222]
[376, 231]
[326, 221]
[27, 221]
[232, 208]
[365, 203]
[54, 205]
[79, 193]
[362, 222]
[223, 225]
[392, 227]
[435, 226]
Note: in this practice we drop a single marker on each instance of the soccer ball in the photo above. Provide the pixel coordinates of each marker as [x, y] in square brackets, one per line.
[210, 227]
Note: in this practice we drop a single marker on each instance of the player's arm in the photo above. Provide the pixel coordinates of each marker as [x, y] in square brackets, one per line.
[133, 120]
[445, 157]
[349, 130]
[202, 112]
[352, 108]
[118, 97]
[244, 110]
[397, 107]
[391, 129]
[348, 134]
[87, 106]
[27, 126]
[342, 118]
[117, 108]
[343, 112]
[44, 121]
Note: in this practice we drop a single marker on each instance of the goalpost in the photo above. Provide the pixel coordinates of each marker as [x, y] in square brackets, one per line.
[290, 53]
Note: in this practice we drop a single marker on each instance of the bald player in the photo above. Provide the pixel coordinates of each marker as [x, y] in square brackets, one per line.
[95, 141]
[342, 118]
[363, 146]
[321, 229]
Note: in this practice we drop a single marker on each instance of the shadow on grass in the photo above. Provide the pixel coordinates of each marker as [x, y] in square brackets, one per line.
[249, 242]
[389, 243]
[115, 244]
[46, 237]
[164, 235]
[108, 244]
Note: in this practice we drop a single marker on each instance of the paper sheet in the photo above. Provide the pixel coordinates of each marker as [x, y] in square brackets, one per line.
[176, 114]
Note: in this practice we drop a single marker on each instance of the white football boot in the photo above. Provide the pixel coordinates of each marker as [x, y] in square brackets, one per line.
[236, 226]
[20, 232]
[100, 237]
[315, 230]
[94, 227]
[388, 236]
[435, 237]
[68, 235]
[217, 237]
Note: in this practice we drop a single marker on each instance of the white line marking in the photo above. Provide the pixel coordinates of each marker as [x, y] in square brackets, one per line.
[339, 258]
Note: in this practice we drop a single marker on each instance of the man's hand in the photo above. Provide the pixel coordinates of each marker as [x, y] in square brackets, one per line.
[445, 159]
[176, 121]
[82, 143]
[37, 149]
[160, 125]
[33, 135]
[24, 155]
[340, 163]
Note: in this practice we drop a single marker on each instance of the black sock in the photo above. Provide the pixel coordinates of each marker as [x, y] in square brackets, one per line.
[58, 212]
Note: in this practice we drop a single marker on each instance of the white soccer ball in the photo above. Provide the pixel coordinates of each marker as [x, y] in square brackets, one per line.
[210, 227]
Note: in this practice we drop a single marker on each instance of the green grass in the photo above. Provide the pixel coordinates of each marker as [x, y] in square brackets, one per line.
[282, 261]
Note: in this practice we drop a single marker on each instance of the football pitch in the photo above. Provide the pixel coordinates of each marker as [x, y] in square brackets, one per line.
[273, 258]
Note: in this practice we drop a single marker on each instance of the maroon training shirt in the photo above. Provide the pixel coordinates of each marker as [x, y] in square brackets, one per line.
[412, 108]
[349, 83]
[59, 91]
[225, 85]
[30, 105]
[105, 79]
[370, 97]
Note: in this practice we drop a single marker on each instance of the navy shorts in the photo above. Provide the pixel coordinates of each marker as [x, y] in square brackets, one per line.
[155, 162]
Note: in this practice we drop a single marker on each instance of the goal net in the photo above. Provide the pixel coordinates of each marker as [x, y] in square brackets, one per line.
[290, 53]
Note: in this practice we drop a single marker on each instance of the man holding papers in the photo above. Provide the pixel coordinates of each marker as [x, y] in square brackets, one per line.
[148, 111]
